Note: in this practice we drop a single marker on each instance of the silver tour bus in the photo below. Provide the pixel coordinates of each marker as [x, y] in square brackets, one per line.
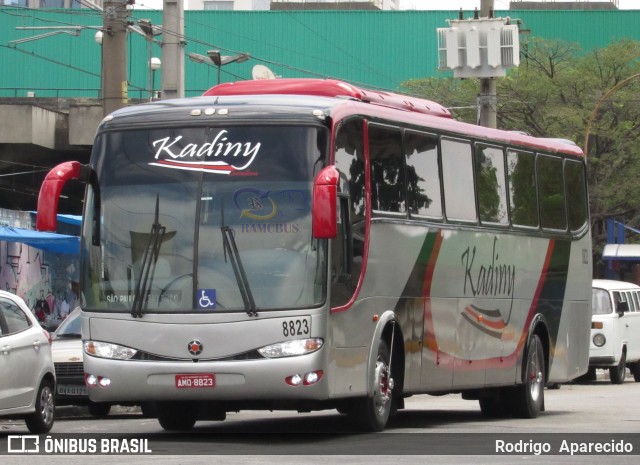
[305, 244]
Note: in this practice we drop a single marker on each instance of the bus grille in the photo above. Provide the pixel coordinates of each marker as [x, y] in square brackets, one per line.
[69, 369]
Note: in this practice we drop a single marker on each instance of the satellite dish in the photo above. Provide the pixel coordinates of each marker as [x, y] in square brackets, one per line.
[262, 72]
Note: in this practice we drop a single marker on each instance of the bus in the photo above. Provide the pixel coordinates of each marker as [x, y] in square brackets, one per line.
[306, 244]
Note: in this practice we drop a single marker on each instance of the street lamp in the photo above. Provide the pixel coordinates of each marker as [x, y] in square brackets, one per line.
[213, 56]
[154, 65]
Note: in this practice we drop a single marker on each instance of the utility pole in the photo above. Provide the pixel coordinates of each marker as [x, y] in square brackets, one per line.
[114, 55]
[487, 99]
[173, 49]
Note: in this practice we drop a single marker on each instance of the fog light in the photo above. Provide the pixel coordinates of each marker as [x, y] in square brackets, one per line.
[294, 380]
[312, 378]
[90, 380]
[93, 381]
[599, 340]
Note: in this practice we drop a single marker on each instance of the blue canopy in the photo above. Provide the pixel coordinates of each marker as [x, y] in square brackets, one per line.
[56, 243]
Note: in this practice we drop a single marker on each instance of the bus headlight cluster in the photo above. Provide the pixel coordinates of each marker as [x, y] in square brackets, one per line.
[106, 350]
[291, 348]
[599, 340]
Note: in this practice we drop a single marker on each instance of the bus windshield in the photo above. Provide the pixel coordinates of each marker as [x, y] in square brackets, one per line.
[203, 219]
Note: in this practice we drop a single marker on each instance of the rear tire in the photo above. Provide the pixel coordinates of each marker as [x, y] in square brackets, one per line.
[99, 409]
[527, 399]
[41, 421]
[372, 413]
[618, 373]
[635, 371]
[493, 406]
[177, 416]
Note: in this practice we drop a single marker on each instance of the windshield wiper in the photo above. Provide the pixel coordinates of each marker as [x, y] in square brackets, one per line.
[148, 265]
[231, 248]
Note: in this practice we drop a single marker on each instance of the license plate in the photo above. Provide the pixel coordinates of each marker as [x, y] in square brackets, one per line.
[71, 390]
[197, 380]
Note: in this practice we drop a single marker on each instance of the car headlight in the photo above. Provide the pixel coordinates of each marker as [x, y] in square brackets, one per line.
[106, 350]
[291, 348]
[599, 340]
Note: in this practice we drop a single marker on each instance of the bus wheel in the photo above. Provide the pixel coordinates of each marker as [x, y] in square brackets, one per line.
[374, 411]
[527, 399]
[635, 371]
[493, 405]
[619, 372]
[176, 416]
[99, 409]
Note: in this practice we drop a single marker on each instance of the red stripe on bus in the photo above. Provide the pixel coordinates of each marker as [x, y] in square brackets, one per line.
[429, 333]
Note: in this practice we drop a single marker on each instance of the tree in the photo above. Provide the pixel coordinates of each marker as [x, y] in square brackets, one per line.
[554, 93]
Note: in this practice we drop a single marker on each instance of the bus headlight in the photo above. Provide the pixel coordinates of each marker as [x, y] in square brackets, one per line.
[106, 350]
[291, 348]
[599, 340]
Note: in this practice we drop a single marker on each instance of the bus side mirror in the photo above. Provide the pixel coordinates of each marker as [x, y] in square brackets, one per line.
[324, 204]
[54, 181]
[622, 308]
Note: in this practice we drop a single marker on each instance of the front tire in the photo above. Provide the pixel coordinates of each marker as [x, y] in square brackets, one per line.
[372, 413]
[177, 416]
[527, 399]
[41, 421]
[618, 373]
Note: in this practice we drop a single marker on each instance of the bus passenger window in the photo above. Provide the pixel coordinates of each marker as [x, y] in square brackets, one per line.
[348, 248]
[576, 195]
[551, 191]
[491, 182]
[387, 170]
[423, 176]
[522, 189]
[457, 177]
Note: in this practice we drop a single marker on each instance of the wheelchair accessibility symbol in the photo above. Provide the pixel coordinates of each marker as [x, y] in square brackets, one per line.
[206, 298]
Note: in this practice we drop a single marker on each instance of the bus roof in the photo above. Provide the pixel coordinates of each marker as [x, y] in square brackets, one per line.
[329, 88]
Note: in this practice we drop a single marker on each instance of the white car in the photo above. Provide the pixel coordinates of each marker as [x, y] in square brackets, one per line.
[67, 358]
[27, 375]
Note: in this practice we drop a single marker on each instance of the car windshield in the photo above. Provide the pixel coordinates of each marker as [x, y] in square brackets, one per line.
[601, 302]
[69, 328]
[186, 232]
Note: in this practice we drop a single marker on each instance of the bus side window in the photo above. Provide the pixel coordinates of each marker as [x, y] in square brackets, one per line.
[551, 192]
[387, 170]
[576, 195]
[423, 175]
[457, 178]
[348, 248]
[522, 189]
[490, 182]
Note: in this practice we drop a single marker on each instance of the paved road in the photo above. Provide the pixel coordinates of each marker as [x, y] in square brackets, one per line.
[429, 425]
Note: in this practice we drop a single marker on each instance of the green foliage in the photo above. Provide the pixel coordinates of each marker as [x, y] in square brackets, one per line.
[556, 92]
